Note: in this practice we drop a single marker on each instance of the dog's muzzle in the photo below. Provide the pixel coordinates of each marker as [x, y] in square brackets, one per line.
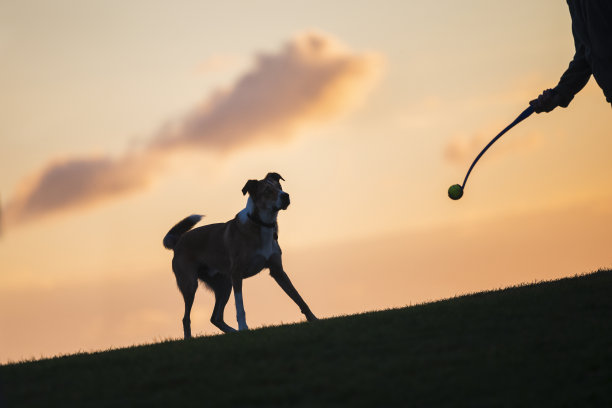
[285, 201]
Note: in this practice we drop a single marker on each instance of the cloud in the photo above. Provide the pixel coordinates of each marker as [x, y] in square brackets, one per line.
[312, 79]
[79, 182]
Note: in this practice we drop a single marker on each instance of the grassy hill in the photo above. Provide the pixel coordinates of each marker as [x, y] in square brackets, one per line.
[547, 344]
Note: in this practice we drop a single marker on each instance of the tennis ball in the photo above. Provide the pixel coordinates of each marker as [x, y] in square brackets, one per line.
[455, 192]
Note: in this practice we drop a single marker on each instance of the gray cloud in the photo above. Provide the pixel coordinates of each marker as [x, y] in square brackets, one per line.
[78, 182]
[313, 78]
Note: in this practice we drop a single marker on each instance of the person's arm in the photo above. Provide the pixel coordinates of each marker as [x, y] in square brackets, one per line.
[575, 77]
[572, 81]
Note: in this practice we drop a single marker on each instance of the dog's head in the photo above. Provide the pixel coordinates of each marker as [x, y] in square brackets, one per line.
[267, 194]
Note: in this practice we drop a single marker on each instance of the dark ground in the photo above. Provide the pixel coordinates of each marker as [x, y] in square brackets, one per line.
[544, 345]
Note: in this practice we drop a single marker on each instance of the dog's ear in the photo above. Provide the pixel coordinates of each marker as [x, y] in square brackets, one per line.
[275, 177]
[250, 187]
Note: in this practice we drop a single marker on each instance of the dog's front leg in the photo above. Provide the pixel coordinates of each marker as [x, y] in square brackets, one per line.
[240, 314]
[278, 273]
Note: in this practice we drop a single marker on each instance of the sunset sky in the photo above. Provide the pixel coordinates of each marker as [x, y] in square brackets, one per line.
[121, 118]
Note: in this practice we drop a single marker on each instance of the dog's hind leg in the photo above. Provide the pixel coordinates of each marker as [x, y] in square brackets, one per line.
[187, 281]
[188, 296]
[222, 286]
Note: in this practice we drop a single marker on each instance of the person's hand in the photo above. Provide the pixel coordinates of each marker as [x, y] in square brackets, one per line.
[546, 102]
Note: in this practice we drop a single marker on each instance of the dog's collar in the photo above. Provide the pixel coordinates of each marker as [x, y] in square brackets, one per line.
[258, 221]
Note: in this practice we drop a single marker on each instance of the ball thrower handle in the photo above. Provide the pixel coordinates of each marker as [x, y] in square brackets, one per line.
[524, 115]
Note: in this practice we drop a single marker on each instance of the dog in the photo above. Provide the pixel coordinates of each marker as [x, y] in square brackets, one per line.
[222, 255]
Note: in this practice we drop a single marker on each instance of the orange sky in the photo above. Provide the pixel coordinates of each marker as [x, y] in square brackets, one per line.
[119, 121]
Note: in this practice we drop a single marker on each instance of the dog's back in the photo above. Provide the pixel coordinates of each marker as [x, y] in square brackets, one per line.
[199, 249]
[204, 246]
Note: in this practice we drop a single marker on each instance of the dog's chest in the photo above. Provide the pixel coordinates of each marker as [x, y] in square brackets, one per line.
[268, 245]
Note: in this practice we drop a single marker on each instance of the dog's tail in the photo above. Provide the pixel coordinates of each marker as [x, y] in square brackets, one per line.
[179, 229]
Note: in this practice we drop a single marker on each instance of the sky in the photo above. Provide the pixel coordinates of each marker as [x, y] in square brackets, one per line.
[121, 118]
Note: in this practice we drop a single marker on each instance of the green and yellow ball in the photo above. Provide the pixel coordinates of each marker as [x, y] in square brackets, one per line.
[455, 192]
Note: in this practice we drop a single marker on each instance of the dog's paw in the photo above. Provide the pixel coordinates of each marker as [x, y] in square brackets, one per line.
[311, 317]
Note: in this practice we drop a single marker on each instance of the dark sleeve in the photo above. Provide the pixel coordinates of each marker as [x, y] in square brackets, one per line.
[579, 71]
[574, 79]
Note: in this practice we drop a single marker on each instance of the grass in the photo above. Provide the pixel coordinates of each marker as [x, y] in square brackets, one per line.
[545, 345]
